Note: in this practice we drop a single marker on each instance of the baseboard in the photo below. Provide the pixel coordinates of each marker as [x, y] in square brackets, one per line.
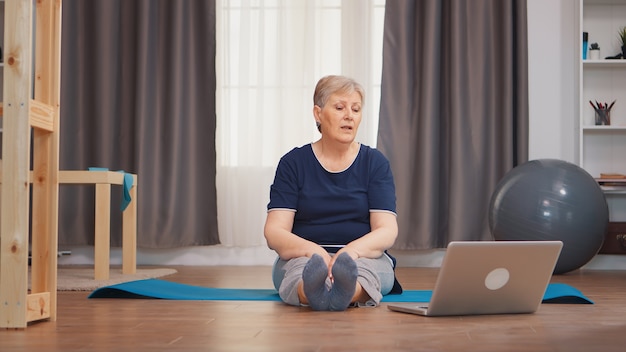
[253, 256]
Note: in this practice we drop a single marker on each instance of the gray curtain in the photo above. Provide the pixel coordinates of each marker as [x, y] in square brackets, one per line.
[454, 112]
[138, 94]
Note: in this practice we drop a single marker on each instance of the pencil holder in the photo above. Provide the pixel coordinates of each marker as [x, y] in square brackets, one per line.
[603, 117]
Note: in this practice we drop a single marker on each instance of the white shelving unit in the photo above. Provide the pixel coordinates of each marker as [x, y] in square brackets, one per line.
[602, 148]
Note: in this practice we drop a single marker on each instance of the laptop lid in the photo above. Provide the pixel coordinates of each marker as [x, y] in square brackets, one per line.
[491, 277]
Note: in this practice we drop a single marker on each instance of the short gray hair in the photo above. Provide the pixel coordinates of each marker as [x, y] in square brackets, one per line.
[329, 85]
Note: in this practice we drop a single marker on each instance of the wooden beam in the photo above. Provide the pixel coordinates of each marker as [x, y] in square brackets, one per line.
[84, 177]
[102, 241]
[92, 177]
[46, 104]
[129, 233]
[14, 226]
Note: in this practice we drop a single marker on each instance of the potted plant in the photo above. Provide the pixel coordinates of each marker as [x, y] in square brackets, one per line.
[594, 51]
[622, 40]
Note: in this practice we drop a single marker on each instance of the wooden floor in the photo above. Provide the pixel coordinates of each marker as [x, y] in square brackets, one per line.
[148, 325]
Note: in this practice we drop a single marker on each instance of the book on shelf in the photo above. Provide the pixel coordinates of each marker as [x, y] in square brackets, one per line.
[611, 181]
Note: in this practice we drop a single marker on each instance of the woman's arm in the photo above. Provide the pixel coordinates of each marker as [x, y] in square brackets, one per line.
[279, 237]
[373, 244]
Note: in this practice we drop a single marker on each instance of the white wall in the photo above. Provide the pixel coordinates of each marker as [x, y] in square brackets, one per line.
[553, 79]
[553, 93]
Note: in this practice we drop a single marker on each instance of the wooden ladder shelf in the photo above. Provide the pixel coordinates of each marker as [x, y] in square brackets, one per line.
[25, 112]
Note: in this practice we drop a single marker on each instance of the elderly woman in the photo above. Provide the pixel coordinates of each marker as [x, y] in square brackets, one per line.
[332, 211]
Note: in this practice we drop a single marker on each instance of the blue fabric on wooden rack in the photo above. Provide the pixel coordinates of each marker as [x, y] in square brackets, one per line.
[162, 289]
[127, 184]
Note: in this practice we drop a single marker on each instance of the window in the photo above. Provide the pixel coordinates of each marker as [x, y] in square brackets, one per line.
[270, 55]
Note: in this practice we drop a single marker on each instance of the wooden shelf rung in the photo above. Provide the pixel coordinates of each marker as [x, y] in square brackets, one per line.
[38, 306]
[41, 115]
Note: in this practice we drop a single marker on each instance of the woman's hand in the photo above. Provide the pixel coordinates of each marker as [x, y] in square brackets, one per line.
[373, 244]
[347, 249]
[287, 244]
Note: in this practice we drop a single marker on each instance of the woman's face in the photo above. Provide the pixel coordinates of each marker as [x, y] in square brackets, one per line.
[340, 117]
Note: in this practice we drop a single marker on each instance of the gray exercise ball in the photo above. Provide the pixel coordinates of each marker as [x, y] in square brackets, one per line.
[549, 199]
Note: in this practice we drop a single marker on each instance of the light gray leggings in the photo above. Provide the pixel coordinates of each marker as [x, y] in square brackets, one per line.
[376, 276]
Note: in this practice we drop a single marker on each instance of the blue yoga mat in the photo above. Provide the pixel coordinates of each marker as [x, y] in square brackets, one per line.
[161, 289]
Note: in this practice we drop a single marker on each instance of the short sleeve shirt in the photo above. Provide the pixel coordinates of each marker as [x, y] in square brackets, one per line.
[332, 208]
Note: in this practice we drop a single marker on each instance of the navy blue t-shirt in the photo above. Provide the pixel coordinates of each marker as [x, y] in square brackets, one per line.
[332, 208]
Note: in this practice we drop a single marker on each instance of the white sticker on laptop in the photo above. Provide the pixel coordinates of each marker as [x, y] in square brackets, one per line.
[497, 278]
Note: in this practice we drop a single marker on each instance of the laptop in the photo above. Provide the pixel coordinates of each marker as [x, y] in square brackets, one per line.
[489, 277]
